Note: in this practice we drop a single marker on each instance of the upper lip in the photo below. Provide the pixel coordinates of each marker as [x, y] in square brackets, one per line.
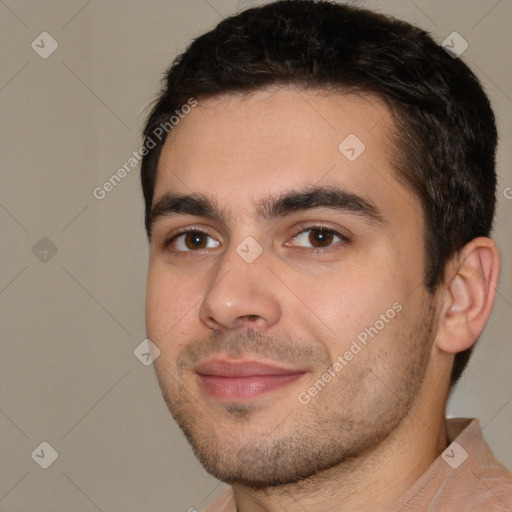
[242, 368]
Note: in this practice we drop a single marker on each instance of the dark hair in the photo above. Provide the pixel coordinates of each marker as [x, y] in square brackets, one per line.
[445, 129]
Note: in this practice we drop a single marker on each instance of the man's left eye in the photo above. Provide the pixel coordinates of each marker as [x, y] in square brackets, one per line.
[318, 238]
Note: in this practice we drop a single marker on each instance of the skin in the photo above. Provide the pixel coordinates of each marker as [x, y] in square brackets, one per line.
[362, 440]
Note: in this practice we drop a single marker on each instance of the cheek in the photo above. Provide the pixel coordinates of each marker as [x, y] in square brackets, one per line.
[344, 304]
[169, 304]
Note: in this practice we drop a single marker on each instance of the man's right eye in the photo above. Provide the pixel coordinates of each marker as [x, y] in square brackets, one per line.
[191, 241]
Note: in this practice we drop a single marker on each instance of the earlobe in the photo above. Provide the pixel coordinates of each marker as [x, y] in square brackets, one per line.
[468, 295]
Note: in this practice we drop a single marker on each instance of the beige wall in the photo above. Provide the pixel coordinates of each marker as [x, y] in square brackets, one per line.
[68, 373]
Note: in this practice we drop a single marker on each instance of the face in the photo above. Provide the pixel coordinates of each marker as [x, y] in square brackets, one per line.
[285, 287]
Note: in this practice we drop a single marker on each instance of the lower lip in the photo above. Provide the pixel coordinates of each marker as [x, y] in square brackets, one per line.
[244, 388]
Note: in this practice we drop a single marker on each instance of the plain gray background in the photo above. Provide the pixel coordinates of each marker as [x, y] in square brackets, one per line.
[72, 318]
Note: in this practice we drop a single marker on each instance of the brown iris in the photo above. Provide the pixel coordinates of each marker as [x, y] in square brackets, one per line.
[195, 240]
[320, 237]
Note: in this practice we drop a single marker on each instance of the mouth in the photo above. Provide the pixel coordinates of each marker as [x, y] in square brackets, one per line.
[242, 380]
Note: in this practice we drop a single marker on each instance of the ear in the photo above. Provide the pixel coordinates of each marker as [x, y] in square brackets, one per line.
[468, 295]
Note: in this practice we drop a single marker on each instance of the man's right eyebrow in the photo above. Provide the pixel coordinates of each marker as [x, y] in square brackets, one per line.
[176, 204]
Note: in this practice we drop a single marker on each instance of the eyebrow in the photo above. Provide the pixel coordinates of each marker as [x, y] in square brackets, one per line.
[269, 209]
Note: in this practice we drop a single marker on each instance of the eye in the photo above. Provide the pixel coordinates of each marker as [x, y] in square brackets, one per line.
[190, 241]
[318, 237]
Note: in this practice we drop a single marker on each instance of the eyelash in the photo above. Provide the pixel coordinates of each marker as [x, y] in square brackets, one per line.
[168, 241]
[320, 227]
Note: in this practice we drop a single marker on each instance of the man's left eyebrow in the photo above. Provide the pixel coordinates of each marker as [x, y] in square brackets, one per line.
[320, 197]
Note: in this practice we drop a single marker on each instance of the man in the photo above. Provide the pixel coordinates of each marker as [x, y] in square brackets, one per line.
[320, 188]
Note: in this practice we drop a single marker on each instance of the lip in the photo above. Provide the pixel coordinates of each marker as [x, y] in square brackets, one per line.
[242, 380]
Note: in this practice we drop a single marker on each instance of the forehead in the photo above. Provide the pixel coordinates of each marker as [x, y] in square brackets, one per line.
[239, 149]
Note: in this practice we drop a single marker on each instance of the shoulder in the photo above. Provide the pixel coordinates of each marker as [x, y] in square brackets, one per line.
[478, 481]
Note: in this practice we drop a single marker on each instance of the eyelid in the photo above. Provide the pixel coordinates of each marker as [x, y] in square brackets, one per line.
[320, 226]
[182, 231]
[334, 247]
[301, 228]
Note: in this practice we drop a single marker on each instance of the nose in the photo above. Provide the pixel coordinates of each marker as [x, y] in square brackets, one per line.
[240, 294]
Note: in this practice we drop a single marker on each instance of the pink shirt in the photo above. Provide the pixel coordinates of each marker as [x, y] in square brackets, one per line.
[466, 477]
